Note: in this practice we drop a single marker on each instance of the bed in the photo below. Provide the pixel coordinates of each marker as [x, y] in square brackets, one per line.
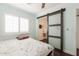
[25, 47]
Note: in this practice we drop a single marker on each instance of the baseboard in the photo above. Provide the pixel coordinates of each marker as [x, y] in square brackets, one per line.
[69, 52]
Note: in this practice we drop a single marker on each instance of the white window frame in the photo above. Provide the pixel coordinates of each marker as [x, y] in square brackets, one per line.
[19, 21]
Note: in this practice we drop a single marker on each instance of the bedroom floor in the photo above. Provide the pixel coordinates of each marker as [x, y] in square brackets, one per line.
[60, 53]
[77, 52]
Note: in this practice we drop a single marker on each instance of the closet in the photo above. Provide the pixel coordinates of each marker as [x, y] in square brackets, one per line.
[51, 28]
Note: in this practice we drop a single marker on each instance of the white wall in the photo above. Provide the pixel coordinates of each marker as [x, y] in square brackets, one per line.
[69, 25]
[5, 8]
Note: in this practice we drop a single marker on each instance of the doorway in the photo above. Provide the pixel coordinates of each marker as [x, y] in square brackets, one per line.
[51, 28]
[43, 29]
[77, 32]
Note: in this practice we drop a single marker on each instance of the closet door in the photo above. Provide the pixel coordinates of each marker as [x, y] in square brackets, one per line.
[43, 29]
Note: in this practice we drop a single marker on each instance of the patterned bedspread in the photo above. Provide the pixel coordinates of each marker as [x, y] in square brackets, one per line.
[26, 47]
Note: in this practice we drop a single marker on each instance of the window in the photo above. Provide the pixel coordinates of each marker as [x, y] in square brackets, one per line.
[11, 23]
[24, 25]
[16, 24]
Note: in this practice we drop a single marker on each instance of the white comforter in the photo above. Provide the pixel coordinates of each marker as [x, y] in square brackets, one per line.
[26, 47]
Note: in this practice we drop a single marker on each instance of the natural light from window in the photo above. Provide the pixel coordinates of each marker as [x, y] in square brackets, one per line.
[16, 24]
[24, 22]
[11, 23]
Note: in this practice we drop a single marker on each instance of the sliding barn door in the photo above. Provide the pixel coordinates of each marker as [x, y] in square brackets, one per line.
[43, 29]
[55, 31]
[55, 28]
[51, 28]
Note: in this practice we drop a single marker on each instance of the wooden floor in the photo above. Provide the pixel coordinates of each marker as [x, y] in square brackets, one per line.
[60, 53]
[57, 52]
[77, 52]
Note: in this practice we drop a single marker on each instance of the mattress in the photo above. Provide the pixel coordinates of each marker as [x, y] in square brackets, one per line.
[26, 47]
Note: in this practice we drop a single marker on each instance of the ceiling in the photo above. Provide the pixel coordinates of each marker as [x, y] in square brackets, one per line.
[34, 8]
